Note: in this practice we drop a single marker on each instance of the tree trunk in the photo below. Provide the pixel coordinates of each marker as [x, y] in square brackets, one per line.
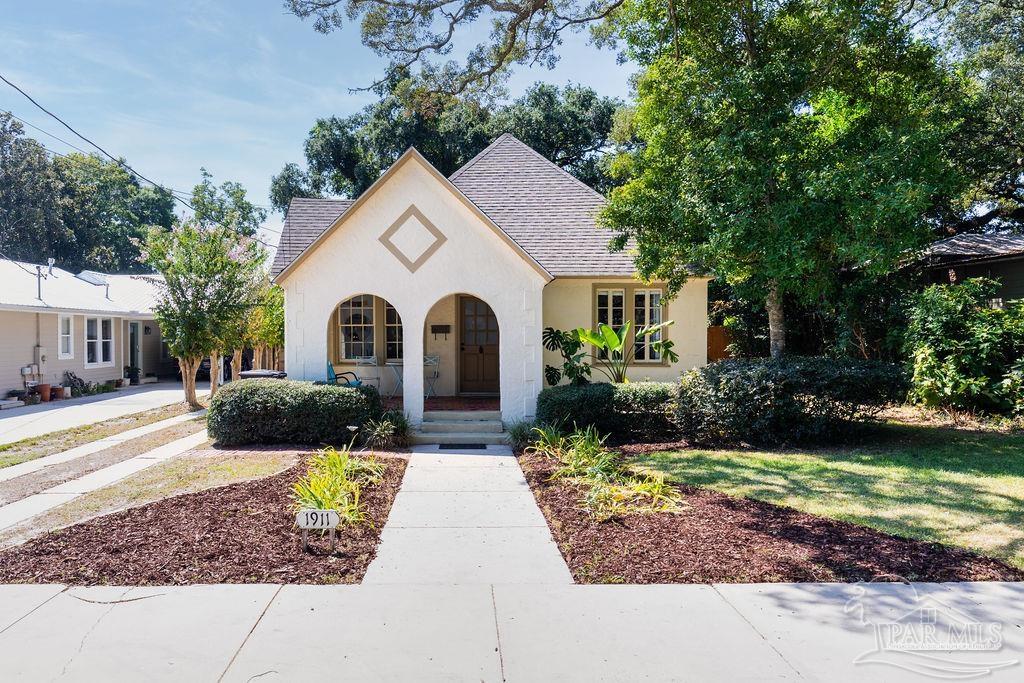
[776, 322]
[236, 364]
[257, 357]
[188, 367]
[216, 364]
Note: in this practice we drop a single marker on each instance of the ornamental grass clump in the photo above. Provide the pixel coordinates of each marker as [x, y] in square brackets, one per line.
[334, 480]
[611, 488]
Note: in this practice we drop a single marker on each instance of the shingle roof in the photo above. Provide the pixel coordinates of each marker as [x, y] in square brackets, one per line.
[977, 246]
[130, 295]
[547, 211]
[306, 220]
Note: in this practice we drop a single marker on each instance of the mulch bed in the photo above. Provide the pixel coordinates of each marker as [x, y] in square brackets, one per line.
[723, 539]
[240, 533]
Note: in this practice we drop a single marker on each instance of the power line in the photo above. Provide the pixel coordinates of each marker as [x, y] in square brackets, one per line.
[62, 122]
[30, 125]
[171, 191]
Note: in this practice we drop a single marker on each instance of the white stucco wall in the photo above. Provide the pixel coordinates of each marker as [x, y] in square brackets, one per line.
[569, 303]
[474, 260]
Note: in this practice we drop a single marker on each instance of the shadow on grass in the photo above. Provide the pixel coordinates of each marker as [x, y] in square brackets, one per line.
[929, 483]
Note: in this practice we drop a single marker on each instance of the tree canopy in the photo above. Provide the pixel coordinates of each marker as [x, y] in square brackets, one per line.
[225, 205]
[783, 145]
[344, 155]
[82, 210]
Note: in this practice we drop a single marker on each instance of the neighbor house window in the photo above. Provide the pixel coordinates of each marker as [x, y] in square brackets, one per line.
[99, 341]
[647, 311]
[65, 337]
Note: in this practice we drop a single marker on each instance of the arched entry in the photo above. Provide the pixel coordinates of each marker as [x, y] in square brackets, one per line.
[479, 345]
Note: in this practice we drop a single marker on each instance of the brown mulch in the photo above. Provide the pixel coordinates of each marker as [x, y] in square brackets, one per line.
[721, 539]
[240, 533]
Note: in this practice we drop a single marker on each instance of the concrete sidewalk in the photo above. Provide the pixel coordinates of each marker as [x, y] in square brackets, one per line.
[30, 421]
[510, 632]
[466, 518]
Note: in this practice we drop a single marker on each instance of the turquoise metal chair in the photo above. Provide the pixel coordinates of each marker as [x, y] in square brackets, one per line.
[342, 378]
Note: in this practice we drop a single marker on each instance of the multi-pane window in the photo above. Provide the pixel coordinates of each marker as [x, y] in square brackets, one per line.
[647, 311]
[99, 341]
[65, 337]
[392, 333]
[611, 310]
[355, 327]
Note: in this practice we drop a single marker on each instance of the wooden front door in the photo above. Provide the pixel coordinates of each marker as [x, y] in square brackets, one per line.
[478, 347]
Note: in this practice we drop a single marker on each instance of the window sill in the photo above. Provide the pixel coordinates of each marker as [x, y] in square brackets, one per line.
[61, 357]
[93, 366]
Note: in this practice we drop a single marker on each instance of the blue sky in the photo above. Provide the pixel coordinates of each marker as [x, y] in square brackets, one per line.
[232, 86]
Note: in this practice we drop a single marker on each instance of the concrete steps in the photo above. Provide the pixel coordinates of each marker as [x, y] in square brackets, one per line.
[457, 427]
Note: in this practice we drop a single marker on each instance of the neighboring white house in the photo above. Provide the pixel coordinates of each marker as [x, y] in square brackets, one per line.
[465, 271]
[93, 324]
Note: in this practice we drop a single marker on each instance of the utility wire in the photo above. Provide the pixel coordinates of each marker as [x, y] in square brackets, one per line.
[30, 125]
[62, 122]
[120, 162]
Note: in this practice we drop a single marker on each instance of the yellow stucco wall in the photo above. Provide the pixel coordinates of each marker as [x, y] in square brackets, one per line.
[569, 303]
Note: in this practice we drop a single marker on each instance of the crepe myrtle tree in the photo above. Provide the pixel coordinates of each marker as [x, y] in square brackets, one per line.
[210, 277]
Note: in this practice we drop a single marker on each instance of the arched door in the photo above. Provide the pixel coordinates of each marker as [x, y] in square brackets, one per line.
[478, 347]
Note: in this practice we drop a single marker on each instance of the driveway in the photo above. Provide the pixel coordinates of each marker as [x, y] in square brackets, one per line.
[29, 421]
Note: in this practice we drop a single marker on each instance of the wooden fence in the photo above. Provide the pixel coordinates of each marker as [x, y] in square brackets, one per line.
[718, 343]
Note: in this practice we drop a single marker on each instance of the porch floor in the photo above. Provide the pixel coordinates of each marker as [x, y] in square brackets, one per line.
[451, 403]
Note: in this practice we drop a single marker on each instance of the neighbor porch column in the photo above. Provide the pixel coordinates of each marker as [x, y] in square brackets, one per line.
[412, 370]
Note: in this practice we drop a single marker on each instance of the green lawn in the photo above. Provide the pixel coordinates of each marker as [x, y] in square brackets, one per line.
[958, 487]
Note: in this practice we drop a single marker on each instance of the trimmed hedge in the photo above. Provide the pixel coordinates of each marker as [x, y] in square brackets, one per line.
[641, 410]
[263, 411]
[769, 402]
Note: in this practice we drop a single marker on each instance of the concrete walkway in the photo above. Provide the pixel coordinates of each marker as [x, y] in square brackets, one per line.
[803, 632]
[29, 421]
[466, 517]
[29, 466]
[28, 507]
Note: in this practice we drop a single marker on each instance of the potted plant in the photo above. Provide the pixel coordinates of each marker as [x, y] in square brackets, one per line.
[133, 374]
[43, 389]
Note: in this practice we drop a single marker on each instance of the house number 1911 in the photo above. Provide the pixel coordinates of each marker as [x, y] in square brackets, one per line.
[317, 520]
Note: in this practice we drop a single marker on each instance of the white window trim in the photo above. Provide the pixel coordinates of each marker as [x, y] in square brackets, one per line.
[71, 336]
[99, 342]
[646, 292]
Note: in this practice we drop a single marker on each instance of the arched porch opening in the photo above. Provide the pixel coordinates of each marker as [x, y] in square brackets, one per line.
[461, 355]
[365, 337]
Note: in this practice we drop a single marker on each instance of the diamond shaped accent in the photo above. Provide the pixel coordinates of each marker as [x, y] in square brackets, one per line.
[412, 239]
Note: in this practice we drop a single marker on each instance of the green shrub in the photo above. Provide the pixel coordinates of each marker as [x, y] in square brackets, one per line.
[762, 401]
[520, 434]
[334, 480]
[611, 488]
[391, 430]
[966, 354]
[640, 410]
[257, 411]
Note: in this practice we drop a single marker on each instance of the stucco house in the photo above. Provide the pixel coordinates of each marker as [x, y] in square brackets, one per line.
[93, 324]
[427, 284]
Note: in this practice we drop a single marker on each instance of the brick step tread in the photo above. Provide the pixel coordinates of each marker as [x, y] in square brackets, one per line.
[460, 415]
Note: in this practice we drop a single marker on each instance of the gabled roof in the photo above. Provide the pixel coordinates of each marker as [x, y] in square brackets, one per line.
[540, 209]
[413, 155]
[976, 247]
[306, 220]
[129, 295]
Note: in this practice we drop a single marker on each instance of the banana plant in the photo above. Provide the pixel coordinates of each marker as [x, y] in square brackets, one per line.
[615, 352]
